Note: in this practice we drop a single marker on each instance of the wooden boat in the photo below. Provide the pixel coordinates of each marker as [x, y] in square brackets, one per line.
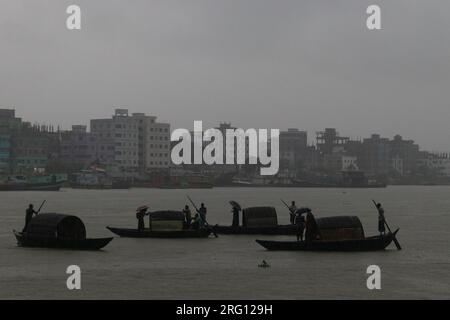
[339, 233]
[276, 230]
[164, 224]
[368, 244]
[23, 240]
[53, 230]
[147, 233]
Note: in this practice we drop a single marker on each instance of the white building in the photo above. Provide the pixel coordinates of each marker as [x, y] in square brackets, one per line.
[440, 163]
[397, 165]
[338, 162]
[139, 142]
[349, 163]
[156, 143]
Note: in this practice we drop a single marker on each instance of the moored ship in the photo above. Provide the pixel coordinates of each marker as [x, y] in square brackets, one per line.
[52, 182]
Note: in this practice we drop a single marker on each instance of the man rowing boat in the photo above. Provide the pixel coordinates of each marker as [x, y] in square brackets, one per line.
[292, 209]
[381, 219]
[29, 215]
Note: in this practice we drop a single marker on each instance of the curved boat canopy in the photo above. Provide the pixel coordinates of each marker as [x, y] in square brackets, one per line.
[340, 227]
[259, 217]
[56, 225]
[166, 220]
[167, 215]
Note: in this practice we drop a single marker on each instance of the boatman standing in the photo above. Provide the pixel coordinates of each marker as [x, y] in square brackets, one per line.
[140, 214]
[235, 212]
[312, 231]
[292, 209]
[300, 222]
[197, 222]
[381, 219]
[202, 211]
[187, 215]
[28, 216]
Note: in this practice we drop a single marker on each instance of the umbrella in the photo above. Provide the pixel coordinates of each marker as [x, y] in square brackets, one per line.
[236, 205]
[141, 208]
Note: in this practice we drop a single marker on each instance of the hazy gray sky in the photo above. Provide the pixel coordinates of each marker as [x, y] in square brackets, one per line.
[256, 63]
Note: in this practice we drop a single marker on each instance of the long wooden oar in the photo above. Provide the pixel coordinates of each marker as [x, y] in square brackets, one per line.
[397, 244]
[289, 208]
[42, 204]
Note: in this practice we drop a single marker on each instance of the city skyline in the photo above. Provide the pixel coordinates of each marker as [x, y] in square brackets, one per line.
[311, 136]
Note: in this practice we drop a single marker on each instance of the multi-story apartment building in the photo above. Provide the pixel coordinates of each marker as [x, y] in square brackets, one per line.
[407, 151]
[338, 162]
[33, 147]
[8, 125]
[132, 144]
[329, 141]
[155, 143]
[293, 149]
[79, 148]
[439, 163]
[375, 155]
[119, 137]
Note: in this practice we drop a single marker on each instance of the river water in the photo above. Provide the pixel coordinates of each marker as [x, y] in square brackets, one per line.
[227, 267]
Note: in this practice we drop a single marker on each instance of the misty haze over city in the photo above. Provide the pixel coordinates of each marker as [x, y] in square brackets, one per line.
[256, 63]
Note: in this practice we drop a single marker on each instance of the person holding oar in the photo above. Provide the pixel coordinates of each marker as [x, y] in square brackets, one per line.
[382, 223]
[292, 209]
[381, 219]
[200, 217]
[29, 214]
[141, 212]
[297, 218]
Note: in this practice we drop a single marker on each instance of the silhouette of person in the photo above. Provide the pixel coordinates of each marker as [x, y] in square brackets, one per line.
[28, 216]
[381, 219]
[299, 221]
[235, 212]
[187, 215]
[202, 211]
[292, 210]
[140, 214]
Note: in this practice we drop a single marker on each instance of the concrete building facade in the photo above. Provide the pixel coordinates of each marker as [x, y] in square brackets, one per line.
[293, 149]
[132, 144]
[8, 125]
[79, 148]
